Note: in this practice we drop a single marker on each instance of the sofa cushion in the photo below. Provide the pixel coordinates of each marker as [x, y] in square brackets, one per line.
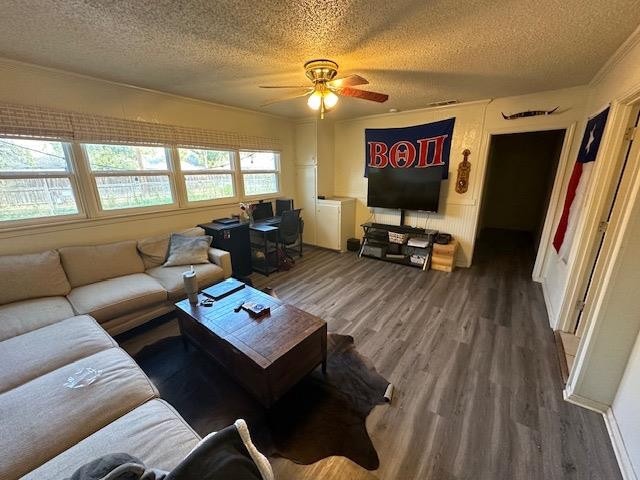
[43, 417]
[185, 250]
[32, 275]
[22, 317]
[40, 351]
[117, 296]
[171, 278]
[154, 250]
[94, 263]
[153, 433]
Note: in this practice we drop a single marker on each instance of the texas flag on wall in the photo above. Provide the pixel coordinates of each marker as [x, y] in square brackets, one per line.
[578, 183]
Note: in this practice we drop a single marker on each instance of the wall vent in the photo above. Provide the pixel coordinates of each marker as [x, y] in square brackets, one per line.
[443, 103]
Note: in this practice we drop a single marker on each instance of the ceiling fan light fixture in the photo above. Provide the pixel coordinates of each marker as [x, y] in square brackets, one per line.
[315, 100]
[326, 89]
[330, 99]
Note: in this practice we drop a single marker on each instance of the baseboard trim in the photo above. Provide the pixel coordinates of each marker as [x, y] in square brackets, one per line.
[551, 315]
[619, 448]
[584, 402]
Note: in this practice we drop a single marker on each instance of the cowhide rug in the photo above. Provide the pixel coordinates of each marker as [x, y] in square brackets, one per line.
[323, 415]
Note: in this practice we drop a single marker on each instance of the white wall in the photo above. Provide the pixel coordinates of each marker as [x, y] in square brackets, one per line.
[27, 84]
[626, 409]
[475, 122]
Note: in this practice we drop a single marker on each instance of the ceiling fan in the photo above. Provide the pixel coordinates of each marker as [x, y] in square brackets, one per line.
[323, 94]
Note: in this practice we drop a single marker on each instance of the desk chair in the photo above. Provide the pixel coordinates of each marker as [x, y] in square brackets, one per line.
[290, 231]
[262, 211]
[282, 205]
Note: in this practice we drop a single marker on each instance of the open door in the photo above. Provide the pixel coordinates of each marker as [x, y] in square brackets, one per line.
[632, 143]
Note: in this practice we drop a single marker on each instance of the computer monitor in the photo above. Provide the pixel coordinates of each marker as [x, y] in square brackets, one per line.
[282, 205]
[263, 210]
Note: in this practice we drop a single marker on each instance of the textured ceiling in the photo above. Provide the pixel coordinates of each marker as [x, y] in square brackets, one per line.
[416, 51]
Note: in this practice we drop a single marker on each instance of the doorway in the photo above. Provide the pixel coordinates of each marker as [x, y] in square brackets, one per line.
[520, 175]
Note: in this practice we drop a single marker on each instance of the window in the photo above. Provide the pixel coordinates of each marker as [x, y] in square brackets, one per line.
[36, 180]
[208, 174]
[130, 176]
[259, 172]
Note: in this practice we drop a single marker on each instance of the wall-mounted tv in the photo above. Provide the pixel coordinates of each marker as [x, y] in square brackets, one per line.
[406, 165]
[405, 189]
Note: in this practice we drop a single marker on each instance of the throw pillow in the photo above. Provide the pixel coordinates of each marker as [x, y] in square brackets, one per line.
[153, 250]
[184, 250]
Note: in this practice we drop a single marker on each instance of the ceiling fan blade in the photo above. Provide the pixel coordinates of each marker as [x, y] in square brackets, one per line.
[300, 93]
[349, 81]
[283, 86]
[363, 94]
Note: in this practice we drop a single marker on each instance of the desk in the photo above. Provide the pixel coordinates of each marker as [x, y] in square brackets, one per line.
[269, 237]
[265, 231]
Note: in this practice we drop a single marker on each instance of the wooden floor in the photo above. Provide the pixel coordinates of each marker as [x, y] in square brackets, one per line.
[478, 388]
[478, 393]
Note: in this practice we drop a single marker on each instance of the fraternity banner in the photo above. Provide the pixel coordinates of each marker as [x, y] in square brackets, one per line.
[578, 184]
[420, 146]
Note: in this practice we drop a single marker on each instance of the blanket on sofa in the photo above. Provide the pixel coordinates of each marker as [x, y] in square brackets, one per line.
[225, 455]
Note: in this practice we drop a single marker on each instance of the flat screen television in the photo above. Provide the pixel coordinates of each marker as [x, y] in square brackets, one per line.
[404, 188]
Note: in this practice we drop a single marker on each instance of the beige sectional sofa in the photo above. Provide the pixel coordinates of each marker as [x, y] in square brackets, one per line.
[121, 285]
[56, 309]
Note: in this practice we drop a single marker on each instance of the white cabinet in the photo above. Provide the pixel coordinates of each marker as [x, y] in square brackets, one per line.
[335, 219]
[306, 200]
[328, 225]
[314, 172]
[306, 143]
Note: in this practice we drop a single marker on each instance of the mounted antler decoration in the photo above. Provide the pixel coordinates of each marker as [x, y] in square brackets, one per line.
[464, 168]
[528, 113]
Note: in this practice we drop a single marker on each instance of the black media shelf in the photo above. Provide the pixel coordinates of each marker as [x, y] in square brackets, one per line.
[376, 243]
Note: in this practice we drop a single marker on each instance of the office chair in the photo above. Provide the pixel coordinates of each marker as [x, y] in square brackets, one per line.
[262, 211]
[282, 205]
[290, 234]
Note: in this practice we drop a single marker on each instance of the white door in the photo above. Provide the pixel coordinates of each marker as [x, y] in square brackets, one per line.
[328, 225]
[306, 193]
[632, 150]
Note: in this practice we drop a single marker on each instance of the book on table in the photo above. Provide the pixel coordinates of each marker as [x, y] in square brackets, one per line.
[223, 289]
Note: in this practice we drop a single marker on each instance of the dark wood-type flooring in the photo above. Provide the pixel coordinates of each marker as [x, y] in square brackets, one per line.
[478, 392]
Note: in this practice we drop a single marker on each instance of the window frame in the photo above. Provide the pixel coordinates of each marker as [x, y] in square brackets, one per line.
[241, 173]
[183, 182]
[84, 186]
[71, 174]
[95, 192]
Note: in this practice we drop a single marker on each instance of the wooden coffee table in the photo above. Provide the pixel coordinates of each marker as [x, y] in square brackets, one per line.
[268, 355]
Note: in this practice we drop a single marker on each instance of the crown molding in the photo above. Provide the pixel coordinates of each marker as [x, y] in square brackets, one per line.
[618, 55]
[416, 110]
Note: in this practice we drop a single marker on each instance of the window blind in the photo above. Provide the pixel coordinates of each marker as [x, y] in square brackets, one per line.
[46, 123]
[35, 122]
